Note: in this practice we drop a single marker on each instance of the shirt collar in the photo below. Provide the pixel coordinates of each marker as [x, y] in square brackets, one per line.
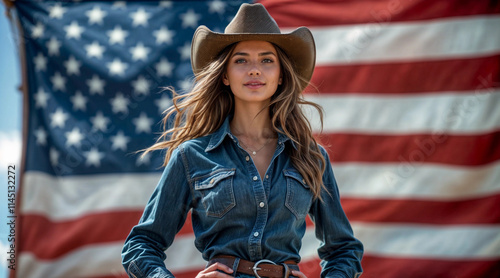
[219, 136]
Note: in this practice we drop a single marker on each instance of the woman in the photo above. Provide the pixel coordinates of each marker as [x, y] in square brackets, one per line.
[241, 157]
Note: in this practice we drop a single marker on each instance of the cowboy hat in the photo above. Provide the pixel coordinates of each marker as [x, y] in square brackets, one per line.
[253, 22]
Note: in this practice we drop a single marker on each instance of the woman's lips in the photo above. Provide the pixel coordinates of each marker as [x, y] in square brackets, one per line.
[254, 84]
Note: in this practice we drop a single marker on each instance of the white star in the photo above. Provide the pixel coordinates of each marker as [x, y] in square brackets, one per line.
[117, 67]
[190, 19]
[96, 15]
[164, 67]
[53, 45]
[58, 82]
[139, 52]
[79, 101]
[165, 4]
[96, 85]
[94, 50]
[143, 160]
[94, 157]
[41, 98]
[163, 103]
[41, 136]
[119, 5]
[74, 137]
[143, 123]
[216, 6]
[185, 51]
[117, 35]
[58, 118]
[99, 122]
[57, 11]
[186, 84]
[74, 30]
[120, 141]
[37, 31]
[163, 35]
[119, 104]
[72, 66]
[141, 86]
[140, 17]
[54, 156]
[40, 62]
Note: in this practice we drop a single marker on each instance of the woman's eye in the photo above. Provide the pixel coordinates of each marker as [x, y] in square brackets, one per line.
[267, 60]
[240, 61]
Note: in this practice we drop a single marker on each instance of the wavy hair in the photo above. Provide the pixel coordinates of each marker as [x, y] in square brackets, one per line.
[203, 110]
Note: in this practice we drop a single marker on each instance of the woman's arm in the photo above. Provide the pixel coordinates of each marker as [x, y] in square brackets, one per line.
[339, 251]
[144, 249]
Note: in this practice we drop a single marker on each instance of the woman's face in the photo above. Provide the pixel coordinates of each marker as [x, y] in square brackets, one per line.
[253, 71]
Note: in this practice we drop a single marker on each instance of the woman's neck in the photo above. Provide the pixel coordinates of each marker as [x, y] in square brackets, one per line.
[252, 122]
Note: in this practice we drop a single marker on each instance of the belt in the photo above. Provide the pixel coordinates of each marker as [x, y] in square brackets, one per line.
[262, 268]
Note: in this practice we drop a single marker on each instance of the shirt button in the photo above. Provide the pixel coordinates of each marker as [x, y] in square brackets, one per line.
[256, 234]
[267, 176]
[255, 178]
[212, 181]
[247, 158]
[303, 181]
[261, 204]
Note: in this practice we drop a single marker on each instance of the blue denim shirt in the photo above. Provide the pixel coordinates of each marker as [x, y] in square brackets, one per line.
[235, 212]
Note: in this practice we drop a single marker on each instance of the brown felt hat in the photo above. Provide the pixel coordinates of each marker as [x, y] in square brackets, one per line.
[253, 22]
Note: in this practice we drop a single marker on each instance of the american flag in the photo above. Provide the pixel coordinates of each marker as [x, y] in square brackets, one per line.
[410, 91]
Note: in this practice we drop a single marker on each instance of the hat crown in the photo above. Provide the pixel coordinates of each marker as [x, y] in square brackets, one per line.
[252, 19]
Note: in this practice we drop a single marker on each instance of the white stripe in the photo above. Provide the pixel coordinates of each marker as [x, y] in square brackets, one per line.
[467, 112]
[416, 180]
[70, 197]
[90, 261]
[417, 241]
[421, 40]
[422, 241]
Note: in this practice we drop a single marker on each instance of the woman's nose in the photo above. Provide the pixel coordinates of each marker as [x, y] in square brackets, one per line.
[254, 71]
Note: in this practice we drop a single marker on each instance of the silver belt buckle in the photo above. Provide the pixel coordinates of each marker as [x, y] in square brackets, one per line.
[255, 267]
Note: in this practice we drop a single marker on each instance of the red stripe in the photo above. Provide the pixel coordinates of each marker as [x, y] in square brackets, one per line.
[290, 13]
[391, 267]
[411, 149]
[410, 77]
[60, 238]
[483, 210]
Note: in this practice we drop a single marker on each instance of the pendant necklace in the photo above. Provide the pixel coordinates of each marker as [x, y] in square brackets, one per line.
[254, 153]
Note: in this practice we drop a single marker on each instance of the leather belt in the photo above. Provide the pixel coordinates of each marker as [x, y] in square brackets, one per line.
[262, 268]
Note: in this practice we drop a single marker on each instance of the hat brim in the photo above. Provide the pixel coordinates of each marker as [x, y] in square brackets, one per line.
[298, 45]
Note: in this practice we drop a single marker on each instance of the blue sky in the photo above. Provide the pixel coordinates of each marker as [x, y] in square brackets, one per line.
[10, 123]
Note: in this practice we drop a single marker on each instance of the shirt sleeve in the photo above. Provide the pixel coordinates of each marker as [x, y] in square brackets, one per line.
[339, 250]
[143, 253]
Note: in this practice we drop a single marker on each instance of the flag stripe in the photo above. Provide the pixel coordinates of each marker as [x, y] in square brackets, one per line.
[417, 182]
[394, 267]
[412, 150]
[291, 13]
[59, 237]
[476, 73]
[430, 241]
[451, 113]
[474, 211]
[438, 39]
[77, 196]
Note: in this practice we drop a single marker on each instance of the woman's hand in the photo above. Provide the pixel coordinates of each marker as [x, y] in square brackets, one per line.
[298, 274]
[211, 271]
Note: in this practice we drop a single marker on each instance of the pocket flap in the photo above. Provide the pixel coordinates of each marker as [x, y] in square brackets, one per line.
[294, 174]
[212, 179]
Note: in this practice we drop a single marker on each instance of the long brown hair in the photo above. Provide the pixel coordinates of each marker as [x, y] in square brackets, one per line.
[203, 110]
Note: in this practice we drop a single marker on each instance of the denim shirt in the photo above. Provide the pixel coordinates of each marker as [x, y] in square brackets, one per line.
[235, 212]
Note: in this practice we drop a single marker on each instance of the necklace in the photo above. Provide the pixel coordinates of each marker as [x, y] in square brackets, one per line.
[254, 153]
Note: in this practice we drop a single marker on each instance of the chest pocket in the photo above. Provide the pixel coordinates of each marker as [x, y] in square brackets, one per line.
[298, 194]
[217, 192]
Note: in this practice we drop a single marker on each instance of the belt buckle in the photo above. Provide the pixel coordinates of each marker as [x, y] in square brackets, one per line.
[255, 267]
